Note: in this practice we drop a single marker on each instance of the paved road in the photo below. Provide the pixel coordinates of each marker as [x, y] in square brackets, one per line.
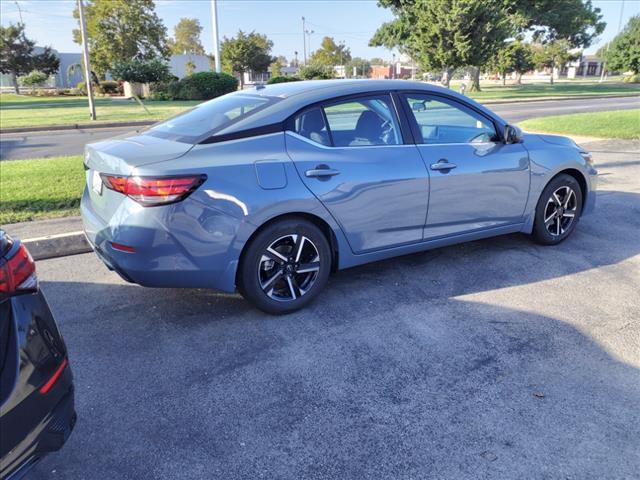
[496, 359]
[19, 146]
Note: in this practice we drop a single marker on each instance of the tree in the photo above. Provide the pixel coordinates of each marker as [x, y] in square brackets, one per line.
[315, 72]
[186, 37]
[516, 57]
[246, 52]
[121, 30]
[141, 71]
[276, 69]
[378, 61]
[360, 65]
[575, 21]
[622, 54]
[34, 79]
[553, 55]
[17, 57]
[330, 53]
[448, 34]
[445, 35]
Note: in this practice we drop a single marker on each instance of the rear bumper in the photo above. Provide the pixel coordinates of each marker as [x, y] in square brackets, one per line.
[183, 245]
[49, 436]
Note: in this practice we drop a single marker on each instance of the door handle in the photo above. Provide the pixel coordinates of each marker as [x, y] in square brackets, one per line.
[321, 171]
[443, 164]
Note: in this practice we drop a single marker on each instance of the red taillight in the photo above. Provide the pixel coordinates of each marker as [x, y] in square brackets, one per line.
[54, 378]
[18, 273]
[152, 191]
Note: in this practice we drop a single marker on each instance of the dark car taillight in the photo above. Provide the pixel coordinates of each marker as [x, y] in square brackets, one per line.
[154, 191]
[18, 274]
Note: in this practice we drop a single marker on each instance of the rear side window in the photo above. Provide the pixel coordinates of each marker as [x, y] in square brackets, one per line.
[311, 124]
[440, 122]
[210, 117]
[363, 121]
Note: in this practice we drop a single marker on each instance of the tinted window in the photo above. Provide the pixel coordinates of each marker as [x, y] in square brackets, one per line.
[443, 122]
[363, 121]
[311, 124]
[209, 117]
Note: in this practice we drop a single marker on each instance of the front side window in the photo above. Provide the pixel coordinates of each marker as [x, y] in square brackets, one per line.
[363, 121]
[440, 122]
[210, 117]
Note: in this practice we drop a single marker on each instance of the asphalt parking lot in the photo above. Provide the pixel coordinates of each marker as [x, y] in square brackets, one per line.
[493, 359]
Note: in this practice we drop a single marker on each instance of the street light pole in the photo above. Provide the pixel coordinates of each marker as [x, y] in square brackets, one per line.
[304, 41]
[216, 41]
[85, 57]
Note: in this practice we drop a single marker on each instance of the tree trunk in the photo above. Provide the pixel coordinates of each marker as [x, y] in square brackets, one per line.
[446, 77]
[518, 78]
[504, 78]
[14, 80]
[241, 80]
[475, 79]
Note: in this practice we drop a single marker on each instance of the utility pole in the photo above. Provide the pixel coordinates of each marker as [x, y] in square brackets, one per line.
[216, 41]
[85, 57]
[603, 74]
[304, 41]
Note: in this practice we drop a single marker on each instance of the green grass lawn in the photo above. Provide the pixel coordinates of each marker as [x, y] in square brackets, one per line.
[616, 124]
[23, 111]
[40, 188]
[495, 90]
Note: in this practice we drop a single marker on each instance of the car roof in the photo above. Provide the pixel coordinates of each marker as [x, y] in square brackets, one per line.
[294, 96]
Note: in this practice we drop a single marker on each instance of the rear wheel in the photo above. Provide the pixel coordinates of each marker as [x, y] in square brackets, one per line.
[558, 210]
[285, 266]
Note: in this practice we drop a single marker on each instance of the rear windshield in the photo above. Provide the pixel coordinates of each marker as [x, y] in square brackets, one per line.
[210, 117]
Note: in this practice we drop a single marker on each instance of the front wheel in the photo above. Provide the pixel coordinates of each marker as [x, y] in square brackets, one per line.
[558, 210]
[285, 266]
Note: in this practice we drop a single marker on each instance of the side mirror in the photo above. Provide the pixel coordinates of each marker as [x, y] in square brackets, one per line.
[418, 107]
[512, 134]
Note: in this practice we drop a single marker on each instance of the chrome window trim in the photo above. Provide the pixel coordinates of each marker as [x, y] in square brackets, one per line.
[329, 147]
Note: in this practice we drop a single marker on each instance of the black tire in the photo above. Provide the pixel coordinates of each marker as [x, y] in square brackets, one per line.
[557, 210]
[290, 291]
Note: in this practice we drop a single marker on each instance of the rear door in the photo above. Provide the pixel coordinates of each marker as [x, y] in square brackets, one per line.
[351, 154]
[477, 182]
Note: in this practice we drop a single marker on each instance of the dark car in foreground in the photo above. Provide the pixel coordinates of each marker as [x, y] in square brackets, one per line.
[267, 191]
[37, 412]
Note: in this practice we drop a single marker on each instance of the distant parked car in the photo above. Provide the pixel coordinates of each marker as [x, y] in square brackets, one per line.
[37, 412]
[268, 191]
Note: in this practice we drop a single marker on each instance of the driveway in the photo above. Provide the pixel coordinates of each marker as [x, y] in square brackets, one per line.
[493, 359]
[17, 146]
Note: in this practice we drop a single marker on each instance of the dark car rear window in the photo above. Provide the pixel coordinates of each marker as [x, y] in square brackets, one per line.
[210, 117]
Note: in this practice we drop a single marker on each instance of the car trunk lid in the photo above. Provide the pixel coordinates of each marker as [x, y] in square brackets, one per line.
[122, 156]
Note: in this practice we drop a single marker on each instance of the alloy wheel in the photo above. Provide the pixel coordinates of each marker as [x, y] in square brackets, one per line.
[289, 267]
[560, 211]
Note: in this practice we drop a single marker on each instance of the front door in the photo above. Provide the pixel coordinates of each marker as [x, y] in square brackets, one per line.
[477, 182]
[351, 155]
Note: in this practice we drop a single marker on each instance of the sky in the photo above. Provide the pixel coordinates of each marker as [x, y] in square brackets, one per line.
[50, 22]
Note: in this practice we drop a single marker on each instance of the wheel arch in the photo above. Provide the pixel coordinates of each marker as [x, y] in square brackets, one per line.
[578, 176]
[319, 222]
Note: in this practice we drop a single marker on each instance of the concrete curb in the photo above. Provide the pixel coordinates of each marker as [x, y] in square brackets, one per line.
[144, 123]
[77, 126]
[54, 246]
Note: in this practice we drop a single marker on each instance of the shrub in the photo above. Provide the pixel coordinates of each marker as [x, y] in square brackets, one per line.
[34, 79]
[282, 79]
[632, 78]
[82, 88]
[111, 87]
[315, 72]
[206, 85]
[141, 71]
